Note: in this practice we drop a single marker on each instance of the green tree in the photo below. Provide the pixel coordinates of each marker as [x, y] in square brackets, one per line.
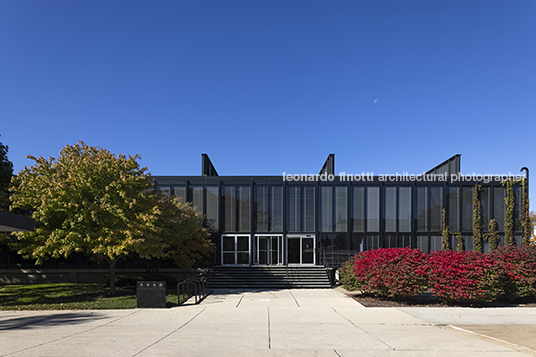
[92, 201]
[6, 172]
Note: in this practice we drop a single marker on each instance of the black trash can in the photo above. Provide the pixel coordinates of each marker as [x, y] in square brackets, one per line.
[151, 294]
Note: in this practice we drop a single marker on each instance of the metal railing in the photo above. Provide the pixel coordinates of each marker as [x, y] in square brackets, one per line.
[335, 259]
[199, 287]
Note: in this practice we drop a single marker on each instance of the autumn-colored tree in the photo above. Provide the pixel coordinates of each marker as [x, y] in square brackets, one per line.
[183, 238]
[92, 201]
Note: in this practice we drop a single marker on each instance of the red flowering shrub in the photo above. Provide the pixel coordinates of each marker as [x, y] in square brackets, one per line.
[347, 275]
[465, 276]
[519, 264]
[392, 272]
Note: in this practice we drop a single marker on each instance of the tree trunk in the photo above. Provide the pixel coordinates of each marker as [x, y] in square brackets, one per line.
[112, 276]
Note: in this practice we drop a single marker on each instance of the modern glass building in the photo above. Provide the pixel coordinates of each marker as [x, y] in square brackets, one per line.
[323, 219]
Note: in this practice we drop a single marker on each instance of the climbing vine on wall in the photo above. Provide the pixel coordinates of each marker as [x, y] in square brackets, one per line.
[493, 235]
[445, 234]
[510, 202]
[525, 218]
[477, 220]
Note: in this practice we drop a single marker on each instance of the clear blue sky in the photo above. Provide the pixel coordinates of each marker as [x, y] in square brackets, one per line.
[270, 86]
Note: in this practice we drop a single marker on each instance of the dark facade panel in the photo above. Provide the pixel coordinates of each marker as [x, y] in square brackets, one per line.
[10, 222]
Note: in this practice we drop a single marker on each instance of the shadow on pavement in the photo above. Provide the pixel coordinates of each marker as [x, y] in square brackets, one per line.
[55, 319]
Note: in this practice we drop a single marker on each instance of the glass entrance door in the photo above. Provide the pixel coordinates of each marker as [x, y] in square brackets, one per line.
[301, 250]
[269, 249]
[235, 249]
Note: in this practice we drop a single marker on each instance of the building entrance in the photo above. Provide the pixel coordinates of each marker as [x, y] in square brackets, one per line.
[269, 249]
[301, 249]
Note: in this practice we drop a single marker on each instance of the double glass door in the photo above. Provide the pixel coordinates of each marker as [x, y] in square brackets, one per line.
[301, 250]
[269, 249]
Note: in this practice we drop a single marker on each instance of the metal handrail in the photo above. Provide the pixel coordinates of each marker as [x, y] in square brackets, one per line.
[202, 287]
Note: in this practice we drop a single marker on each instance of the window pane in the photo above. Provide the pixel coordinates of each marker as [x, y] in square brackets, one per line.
[467, 209]
[341, 209]
[196, 197]
[498, 207]
[229, 208]
[293, 209]
[309, 208]
[212, 206]
[421, 214]
[452, 201]
[358, 209]
[180, 192]
[326, 209]
[356, 242]
[436, 208]
[260, 208]
[422, 244]
[276, 209]
[389, 209]
[404, 209]
[244, 216]
[373, 209]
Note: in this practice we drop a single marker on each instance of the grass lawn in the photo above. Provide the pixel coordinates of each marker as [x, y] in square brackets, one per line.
[70, 297]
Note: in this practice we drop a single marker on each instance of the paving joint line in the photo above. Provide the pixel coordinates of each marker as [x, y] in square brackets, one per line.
[239, 301]
[269, 333]
[514, 346]
[359, 328]
[295, 300]
[169, 334]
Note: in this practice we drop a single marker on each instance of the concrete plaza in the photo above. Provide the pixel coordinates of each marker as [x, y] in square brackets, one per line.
[296, 322]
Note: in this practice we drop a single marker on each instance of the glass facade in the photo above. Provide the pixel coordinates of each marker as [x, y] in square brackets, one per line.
[284, 222]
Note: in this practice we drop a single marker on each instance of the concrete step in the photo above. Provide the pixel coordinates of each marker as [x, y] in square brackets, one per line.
[270, 277]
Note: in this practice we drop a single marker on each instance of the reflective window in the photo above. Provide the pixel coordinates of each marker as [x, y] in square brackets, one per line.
[243, 205]
[196, 197]
[467, 209]
[404, 209]
[436, 208]
[389, 209]
[293, 208]
[212, 206]
[261, 208]
[341, 209]
[358, 209]
[276, 208]
[498, 207]
[180, 192]
[373, 209]
[326, 209]
[452, 209]
[309, 208]
[301, 208]
[421, 214]
[229, 208]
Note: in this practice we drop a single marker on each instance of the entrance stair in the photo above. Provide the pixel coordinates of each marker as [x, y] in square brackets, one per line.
[270, 277]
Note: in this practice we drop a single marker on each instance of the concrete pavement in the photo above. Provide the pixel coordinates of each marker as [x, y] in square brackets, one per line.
[271, 323]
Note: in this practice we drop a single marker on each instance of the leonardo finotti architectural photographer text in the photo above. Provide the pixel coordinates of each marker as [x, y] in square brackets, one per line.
[404, 177]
